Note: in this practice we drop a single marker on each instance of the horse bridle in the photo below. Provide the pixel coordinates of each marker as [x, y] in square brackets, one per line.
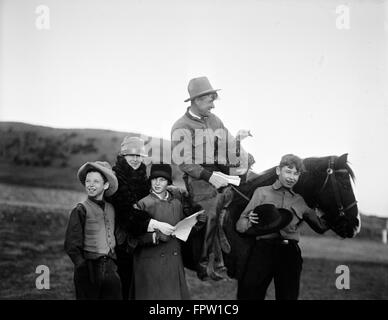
[330, 175]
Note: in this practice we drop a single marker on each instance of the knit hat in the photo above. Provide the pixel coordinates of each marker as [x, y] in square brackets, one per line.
[161, 170]
[134, 146]
[105, 169]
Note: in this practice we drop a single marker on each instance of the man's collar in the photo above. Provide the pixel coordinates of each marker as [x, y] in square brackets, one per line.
[277, 185]
[193, 114]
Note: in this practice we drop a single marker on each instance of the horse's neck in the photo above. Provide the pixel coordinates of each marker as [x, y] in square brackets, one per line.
[308, 187]
[255, 180]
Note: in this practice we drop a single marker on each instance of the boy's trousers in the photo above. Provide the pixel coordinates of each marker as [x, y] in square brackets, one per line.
[97, 280]
[272, 259]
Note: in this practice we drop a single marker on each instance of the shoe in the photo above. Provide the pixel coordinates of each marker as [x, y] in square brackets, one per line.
[221, 269]
[216, 276]
[202, 273]
[203, 276]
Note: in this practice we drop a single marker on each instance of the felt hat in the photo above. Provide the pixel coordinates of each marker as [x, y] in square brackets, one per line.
[199, 87]
[105, 169]
[161, 170]
[271, 219]
[134, 146]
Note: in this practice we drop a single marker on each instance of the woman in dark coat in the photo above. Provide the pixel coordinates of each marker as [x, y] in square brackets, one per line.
[130, 222]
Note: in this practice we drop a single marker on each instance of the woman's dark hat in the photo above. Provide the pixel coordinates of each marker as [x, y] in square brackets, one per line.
[271, 219]
[161, 170]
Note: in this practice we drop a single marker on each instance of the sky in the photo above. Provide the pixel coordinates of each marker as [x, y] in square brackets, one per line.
[306, 77]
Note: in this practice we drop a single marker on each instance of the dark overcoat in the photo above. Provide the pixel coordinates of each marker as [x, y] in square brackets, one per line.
[158, 270]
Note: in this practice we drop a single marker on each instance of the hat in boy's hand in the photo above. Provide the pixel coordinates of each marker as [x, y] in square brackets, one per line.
[105, 169]
[271, 219]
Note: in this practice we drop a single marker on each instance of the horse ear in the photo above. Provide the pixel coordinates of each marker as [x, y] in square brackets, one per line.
[342, 161]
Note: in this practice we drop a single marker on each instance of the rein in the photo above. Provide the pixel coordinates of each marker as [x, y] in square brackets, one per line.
[240, 193]
[330, 175]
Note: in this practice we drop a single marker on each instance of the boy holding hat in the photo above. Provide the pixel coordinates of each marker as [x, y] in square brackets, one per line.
[276, 253]
[90, 240]
[158, 267]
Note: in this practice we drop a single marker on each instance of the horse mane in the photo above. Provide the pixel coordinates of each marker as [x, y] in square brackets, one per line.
[311, 164]
[351, 172]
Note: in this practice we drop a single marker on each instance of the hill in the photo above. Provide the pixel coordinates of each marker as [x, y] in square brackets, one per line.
[50, 157]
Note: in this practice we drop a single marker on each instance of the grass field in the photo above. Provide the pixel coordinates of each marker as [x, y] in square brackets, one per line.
[32, 233]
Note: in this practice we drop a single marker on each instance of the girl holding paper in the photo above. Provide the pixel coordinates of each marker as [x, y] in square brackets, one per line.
[158, 267]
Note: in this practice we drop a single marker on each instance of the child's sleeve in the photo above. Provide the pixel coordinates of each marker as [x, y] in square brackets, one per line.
[74, 238]
[243, 223]
[145, 240]
[129, 218]
[315, 222]
[138, 219]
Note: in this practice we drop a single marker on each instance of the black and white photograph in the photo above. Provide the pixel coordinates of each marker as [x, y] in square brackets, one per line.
[212, 151]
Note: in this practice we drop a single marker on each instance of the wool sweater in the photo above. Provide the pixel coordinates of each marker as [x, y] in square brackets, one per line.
[207, 146]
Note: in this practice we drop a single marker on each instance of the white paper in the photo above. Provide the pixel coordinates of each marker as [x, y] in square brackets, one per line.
[235, 180]
[184, 226]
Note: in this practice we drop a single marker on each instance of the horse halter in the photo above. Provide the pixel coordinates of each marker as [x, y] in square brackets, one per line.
[330, 174]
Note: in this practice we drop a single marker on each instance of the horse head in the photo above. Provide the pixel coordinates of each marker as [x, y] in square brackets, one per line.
[331, 191]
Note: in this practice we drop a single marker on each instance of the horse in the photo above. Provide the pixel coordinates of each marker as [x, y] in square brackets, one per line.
[325, 184]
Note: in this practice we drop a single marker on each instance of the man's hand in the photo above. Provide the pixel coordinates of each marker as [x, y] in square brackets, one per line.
[218, 181]
[243, 133]
[163, 227]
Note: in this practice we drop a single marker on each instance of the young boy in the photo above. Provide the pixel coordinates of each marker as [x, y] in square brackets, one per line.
[158, 268]
[277, 255]
[90, 240]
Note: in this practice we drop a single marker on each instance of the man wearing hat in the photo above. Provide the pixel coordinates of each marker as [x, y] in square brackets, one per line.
[90, 240]
[131, 222]
[208, 148]
[273, 216]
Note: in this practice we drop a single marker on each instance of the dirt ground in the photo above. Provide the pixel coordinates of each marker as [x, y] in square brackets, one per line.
[33, 235]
